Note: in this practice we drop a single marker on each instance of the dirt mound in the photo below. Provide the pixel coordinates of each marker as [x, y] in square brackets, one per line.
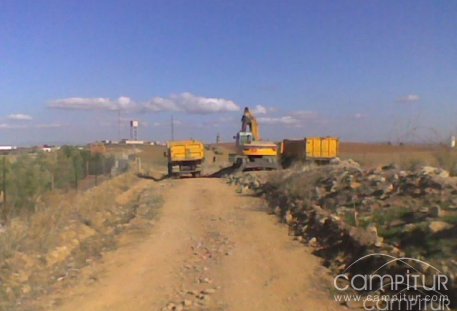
[346, 212]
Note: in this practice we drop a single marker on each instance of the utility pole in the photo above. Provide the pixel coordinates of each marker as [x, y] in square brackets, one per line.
[119, 125]
[172, 128]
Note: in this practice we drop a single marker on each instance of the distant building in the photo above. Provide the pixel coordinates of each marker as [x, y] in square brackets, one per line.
[7, 148]
[132, 142]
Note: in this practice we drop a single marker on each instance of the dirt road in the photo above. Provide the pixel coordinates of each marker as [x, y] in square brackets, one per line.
[210, 249]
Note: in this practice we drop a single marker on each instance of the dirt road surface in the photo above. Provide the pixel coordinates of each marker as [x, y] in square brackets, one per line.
[210, 249]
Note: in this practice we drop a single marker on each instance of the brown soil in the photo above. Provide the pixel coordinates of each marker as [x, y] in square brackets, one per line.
[211, 249]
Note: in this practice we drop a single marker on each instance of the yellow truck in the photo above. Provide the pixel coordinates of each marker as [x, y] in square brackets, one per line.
[185, 157]
[315, 149]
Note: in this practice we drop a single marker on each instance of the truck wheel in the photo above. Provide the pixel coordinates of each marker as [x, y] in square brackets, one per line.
[238, 162]
[170, 170]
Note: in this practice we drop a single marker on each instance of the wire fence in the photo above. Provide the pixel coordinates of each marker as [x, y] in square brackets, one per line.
[25, 178]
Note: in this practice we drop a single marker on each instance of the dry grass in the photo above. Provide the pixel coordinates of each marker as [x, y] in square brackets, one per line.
[447, 159]
[153, 155]
[66, 231]
[149, 154]
[373, 155]
[407, 157]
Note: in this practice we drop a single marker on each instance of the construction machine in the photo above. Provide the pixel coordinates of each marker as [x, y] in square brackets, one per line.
[252, 152]
[185, 157]
[320, 150]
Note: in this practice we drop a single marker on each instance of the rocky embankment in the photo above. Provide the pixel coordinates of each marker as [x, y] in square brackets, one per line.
[345, 212]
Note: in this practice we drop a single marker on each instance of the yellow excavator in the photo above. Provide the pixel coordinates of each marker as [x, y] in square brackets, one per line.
[252, 152]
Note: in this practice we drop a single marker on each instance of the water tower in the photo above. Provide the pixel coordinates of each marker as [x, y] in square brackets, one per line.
[134, 129]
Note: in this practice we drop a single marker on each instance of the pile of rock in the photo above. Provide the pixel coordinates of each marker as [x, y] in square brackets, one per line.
[381, 198]
[246, 182]
[345, 212]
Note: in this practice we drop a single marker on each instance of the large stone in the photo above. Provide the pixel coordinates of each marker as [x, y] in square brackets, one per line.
[430, 170]
[396, 223]
[435, 211]
[439, 226]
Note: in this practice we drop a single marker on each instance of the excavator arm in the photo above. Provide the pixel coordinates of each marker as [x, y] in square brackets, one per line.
[250, 121]
[255, 127]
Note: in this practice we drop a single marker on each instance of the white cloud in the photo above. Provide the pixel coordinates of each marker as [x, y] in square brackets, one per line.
[125, 103]
[295, 119]
[259, 109]
[184, 102]
[98, 103]
[192, 104]
[284, 120]
[359, 116]
[7, 126]
[158, 104]
[304, 115]
[48, 126]
[19, 117]
[411, 98]
[167, 124]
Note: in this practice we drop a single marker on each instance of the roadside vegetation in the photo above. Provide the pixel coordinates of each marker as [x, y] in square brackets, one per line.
[25, 179]
[49, 231]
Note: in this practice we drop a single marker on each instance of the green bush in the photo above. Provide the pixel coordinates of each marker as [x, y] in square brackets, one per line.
[30, 176]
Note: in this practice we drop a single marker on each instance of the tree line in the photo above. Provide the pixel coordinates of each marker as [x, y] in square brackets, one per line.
[25, 178]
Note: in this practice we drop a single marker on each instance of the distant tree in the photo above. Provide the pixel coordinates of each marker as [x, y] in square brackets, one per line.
[30, 176]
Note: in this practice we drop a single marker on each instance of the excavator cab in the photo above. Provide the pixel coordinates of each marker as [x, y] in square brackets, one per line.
[243, 138]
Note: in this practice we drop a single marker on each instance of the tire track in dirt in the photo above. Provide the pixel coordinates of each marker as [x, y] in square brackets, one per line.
[210, 249]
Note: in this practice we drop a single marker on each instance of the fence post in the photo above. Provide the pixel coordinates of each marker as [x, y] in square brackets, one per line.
[4, 182]
[75, 168]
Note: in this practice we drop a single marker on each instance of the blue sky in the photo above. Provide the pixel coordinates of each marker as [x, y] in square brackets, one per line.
[362, 70]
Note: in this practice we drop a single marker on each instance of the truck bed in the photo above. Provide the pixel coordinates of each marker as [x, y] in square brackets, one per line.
[311, 148]
[180, 151]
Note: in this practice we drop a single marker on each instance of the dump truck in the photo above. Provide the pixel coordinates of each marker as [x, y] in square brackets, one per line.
[309, 149]
[253, 153]
[185, 157]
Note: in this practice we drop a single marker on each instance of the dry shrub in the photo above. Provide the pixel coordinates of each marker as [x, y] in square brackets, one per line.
[412, 164]
[447, 159]
[64, 232]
